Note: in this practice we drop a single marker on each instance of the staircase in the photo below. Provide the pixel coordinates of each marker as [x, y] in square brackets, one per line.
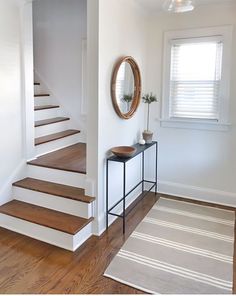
[50, 204]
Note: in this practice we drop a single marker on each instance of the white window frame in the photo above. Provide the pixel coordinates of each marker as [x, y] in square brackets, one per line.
[225, 33]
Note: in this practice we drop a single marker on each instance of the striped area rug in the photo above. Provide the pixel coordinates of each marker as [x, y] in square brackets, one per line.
[179, 248]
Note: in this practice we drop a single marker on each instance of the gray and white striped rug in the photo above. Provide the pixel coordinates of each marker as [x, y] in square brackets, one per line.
[179, 248]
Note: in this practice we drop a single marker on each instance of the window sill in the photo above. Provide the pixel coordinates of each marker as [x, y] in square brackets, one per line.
[193, 124]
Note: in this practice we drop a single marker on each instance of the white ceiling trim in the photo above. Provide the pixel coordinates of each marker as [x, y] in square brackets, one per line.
[157, 4]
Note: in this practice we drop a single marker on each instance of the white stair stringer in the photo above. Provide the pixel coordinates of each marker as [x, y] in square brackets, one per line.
[52, 128]
[57, 203]
[47, 234]
[56, 176]
[57, 144]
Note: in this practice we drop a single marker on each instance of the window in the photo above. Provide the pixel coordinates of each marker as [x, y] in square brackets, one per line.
[196, 81]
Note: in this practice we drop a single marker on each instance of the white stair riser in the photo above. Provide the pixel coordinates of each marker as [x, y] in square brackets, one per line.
[51, 128]
[46, 114]
[52, 202]
[46, 234]
[57, 144]
[40, 101]
[56, 176]
[82, 236]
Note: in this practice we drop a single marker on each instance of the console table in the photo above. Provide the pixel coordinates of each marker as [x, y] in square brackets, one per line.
[140, 150]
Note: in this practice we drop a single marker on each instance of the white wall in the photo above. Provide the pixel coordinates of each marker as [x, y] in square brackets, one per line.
[11, 143]
[122, 32]
[27, 80]
[59, 28]
[196, 163]
[92, 66]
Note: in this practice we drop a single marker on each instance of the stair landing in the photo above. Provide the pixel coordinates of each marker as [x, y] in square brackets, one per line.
[71, 159]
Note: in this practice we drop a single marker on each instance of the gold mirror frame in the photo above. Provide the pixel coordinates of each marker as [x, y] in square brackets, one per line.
[137, 87]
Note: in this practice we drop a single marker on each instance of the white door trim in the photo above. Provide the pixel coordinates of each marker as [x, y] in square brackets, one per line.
[27, 78]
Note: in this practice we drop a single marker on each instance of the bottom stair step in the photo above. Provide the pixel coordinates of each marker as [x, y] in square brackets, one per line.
[49, 218]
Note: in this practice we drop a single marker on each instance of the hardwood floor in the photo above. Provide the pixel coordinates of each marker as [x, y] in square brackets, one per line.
[30, 266]
[72, 159]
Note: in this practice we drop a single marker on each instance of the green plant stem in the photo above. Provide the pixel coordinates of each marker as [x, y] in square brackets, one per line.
[148, 117]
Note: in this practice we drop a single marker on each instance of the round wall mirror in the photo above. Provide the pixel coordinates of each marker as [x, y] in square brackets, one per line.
[126, 87]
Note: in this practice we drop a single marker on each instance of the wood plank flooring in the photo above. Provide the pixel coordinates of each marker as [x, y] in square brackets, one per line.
[72, 159]
[30, 266]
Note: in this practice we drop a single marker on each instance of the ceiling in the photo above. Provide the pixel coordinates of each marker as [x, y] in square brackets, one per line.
[157, 4]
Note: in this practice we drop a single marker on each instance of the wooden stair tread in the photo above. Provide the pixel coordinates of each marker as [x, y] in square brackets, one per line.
[71, 159]
[56, 136]
[50, 121]
[65, 191]
[44, 107]
[53, 219]
[42, 95]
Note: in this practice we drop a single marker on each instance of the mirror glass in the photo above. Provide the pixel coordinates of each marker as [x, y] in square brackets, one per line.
[125, 87]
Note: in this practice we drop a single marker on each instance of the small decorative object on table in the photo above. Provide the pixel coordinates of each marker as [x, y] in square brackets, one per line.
[142, 141]
[124, 151]
[147, 134]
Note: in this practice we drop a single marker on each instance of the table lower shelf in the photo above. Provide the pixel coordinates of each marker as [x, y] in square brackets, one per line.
[133, 204]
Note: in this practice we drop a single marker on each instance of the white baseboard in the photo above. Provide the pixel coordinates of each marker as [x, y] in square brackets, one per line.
[99, 225]
[198, 193]
[6, 190]
[175, 189]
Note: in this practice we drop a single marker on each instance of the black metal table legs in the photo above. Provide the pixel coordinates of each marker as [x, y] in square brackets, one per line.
[125, 195]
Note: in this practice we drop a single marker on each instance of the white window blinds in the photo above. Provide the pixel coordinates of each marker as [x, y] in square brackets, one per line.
[195, 78]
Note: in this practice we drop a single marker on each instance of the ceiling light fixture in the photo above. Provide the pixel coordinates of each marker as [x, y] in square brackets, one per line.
[178, 6]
